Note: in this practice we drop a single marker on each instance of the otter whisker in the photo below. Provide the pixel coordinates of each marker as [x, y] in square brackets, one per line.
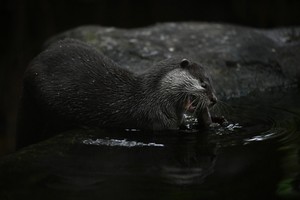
[185, 97]
[216, 109]
[226, 108]
[224, 104]
[221, 108]
[197, 106]
[200, 105]
[185, 100]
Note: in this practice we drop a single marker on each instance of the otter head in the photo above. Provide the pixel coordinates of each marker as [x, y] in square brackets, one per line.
[189, 86]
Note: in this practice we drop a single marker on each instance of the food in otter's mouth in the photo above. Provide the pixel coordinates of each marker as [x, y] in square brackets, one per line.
[191, 103]
[194, 108]
[198, 113]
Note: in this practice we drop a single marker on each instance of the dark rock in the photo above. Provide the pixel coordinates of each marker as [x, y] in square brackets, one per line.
[240, 59]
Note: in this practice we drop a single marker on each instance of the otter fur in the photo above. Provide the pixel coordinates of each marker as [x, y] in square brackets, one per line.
[72, 84]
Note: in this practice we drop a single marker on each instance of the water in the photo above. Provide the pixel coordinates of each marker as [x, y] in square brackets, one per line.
[255, 155]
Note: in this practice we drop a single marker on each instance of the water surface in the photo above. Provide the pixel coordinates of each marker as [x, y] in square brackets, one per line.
[254, 155]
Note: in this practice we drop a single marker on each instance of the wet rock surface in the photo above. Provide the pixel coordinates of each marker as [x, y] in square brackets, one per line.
[240, 59]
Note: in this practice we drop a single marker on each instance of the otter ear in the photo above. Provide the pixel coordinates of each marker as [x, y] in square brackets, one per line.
[184, 63]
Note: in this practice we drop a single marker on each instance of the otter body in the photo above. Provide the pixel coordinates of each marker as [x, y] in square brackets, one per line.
[72, 84]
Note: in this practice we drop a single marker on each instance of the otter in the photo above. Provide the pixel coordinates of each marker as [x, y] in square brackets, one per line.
[72, 84]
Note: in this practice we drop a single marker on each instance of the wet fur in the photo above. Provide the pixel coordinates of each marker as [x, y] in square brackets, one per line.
[72, 84]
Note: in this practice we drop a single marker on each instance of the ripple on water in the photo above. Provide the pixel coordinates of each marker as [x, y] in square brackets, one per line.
[250, 124]
[245, 126]
[121, 143]
[247, 123]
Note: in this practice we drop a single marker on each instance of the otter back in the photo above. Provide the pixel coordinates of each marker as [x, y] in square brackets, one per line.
[71, 83]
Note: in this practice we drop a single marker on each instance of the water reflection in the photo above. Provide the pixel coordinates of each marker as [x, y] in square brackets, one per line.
[180, 158]
[254, 156]
[188, 158]
[191, 159]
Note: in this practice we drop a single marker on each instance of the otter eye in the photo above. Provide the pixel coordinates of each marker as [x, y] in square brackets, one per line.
[184, 63]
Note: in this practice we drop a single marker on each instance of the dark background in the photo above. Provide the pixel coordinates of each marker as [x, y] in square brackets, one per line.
[26, 24]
